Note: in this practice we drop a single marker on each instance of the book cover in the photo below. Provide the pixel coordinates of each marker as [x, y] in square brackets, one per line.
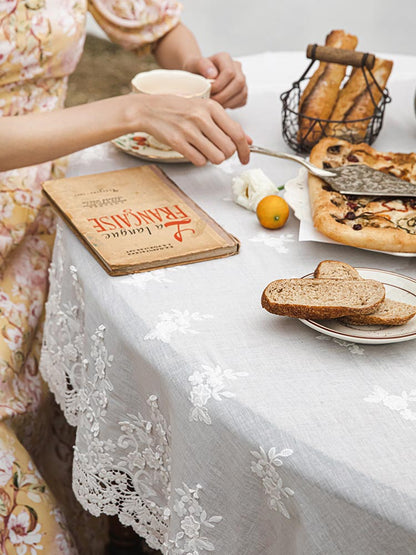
[137, 219]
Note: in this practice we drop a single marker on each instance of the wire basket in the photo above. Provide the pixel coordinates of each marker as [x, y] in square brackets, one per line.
[314, 129]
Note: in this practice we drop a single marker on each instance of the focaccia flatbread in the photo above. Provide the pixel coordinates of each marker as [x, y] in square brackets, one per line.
[385, 224]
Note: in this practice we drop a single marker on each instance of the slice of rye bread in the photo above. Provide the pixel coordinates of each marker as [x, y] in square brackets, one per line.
[333, 269]
[389, 313]
[322, 298]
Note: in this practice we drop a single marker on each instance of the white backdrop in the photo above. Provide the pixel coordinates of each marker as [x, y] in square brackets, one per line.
[244, 27]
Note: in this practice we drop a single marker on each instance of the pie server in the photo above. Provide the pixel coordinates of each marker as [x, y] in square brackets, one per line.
[356, 179]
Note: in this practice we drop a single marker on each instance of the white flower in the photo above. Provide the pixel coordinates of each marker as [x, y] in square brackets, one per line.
[196, 378]
[22, 197]
[270, 486]
[250, 187]
[179, 507]
[257, 468]
[395, 402]
[70, 352]
[5, 49]
[265, 467]
[200, 395]
[20, 536]
[190, 526]
[6, 467]
[400, 403]
[276, 242]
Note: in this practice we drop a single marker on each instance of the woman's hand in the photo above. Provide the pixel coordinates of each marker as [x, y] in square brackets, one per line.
[229, 87]
[200, 129]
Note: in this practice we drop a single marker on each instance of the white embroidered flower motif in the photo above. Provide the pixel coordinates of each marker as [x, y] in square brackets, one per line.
[147, 458]
[265, 467]
[277, 242]
[399, 403]
[194, 523]
[210, 383]
[353, 348]
[93, 395]
[130, 477]
[158, 276]
[173, 322]
[21, 537]
[63, 365]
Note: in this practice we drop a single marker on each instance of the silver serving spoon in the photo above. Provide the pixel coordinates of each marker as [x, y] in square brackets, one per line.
[355, 179]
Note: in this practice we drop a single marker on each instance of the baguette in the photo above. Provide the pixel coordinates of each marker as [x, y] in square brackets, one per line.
[322, 298]
[355, 101]
[389, 313]
[319, 97]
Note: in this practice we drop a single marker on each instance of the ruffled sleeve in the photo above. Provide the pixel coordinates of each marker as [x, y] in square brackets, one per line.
[135, 24]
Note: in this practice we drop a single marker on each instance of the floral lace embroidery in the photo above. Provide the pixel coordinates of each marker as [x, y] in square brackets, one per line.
[129, 476]
[399, 403]
[194, 521]
[353, 348]
[210, 383]
[265, 466]
[62, 364]
[278, 243]
[93, 397]
[159, 276]
[135, 485]
[175, 321]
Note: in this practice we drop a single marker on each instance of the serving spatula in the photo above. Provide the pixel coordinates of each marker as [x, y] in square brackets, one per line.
[355, 179]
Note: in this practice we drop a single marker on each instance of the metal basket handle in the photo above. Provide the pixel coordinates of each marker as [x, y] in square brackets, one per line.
[340, 56]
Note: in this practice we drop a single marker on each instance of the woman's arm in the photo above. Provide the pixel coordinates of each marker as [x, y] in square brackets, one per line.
[179, 49]
[176, 47]
[199, 129]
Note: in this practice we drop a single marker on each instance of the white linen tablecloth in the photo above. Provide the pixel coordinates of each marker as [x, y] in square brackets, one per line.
[207, 423]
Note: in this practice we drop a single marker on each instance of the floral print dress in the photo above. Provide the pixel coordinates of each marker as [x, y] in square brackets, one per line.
[41, 42]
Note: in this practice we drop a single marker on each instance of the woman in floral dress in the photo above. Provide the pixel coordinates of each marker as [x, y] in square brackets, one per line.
[41, 42]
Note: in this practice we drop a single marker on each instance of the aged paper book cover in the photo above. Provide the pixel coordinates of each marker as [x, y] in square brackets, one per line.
[137, 219]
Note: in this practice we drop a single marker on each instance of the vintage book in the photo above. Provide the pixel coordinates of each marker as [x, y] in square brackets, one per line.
[137, 219]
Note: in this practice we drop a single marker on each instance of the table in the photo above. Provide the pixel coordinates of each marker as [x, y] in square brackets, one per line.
[205, 422]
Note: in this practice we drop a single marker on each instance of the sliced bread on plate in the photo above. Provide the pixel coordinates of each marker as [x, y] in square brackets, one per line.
[389, 313]
[322, 298]
[333, 269]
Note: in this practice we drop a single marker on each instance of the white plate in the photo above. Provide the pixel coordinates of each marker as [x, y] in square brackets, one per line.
[398, 288]
[136, 145]
[297, 196]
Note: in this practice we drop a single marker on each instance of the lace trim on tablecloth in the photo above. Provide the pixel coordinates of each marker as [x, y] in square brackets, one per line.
[127, 484]
[62, 361]
[127, 475]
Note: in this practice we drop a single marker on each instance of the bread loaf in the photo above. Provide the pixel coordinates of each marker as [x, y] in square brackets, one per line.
[319, 97]
[389, 313]
[322, 298]
[357, 100]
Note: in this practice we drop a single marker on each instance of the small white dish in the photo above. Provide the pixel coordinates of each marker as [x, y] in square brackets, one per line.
[398, 288]
[136, 145]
